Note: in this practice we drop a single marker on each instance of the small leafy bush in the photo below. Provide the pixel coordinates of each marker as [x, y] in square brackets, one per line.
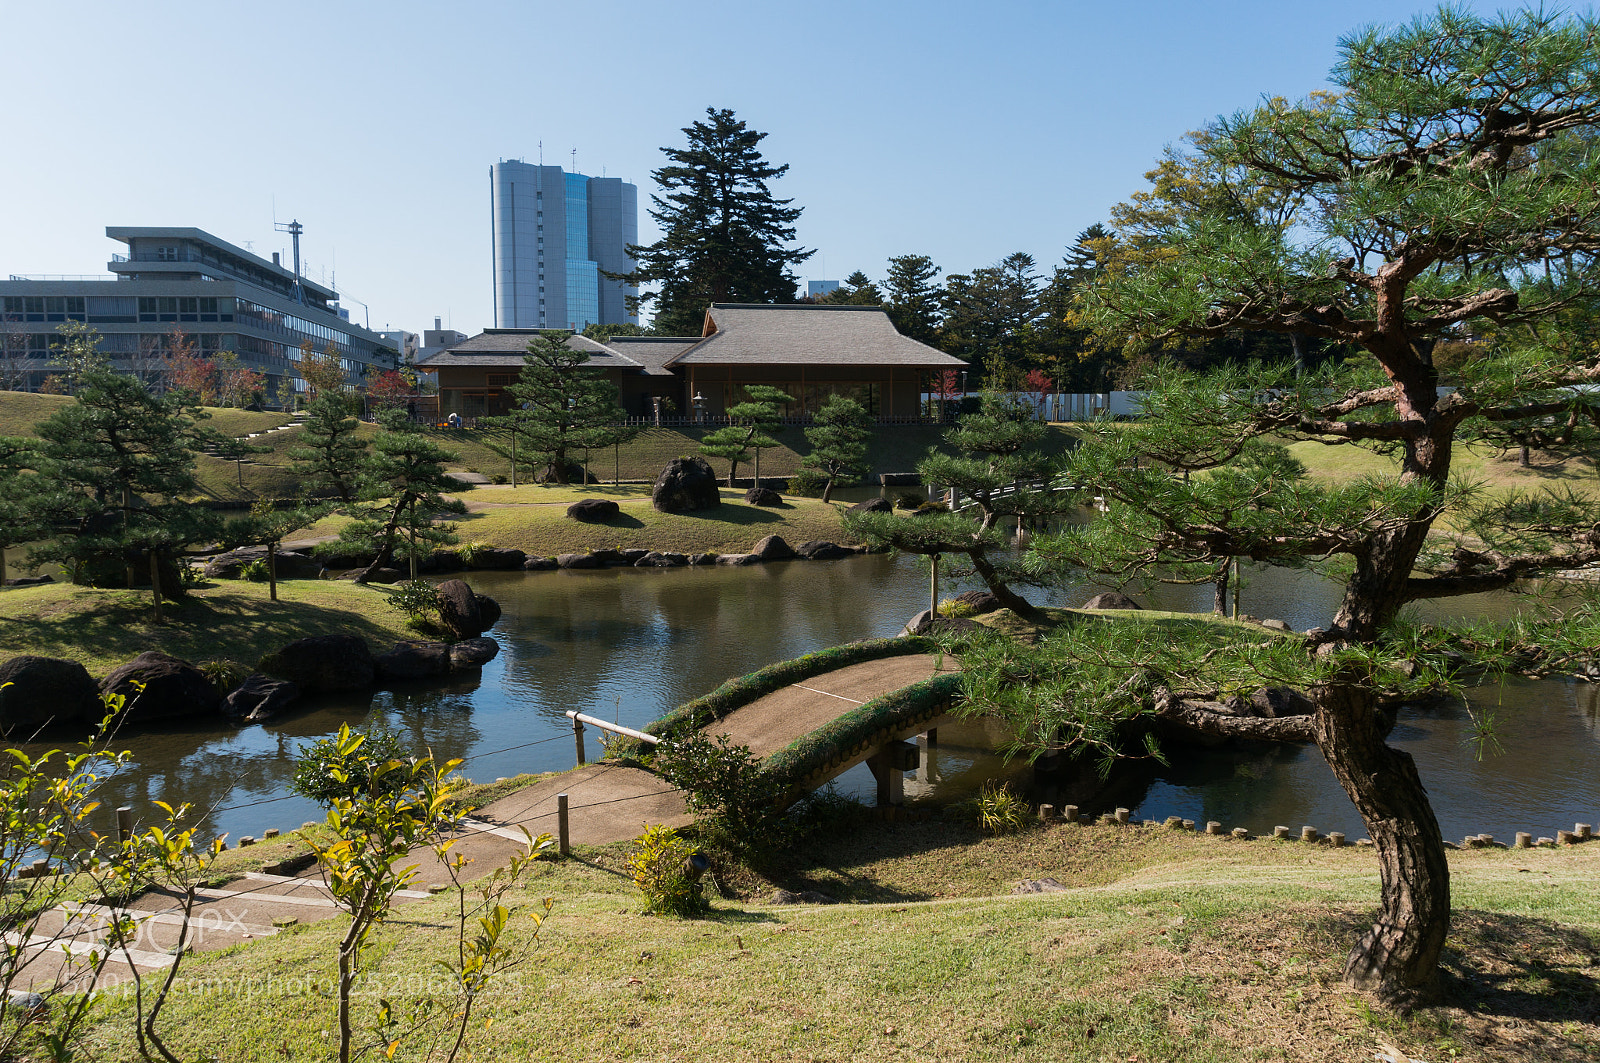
[807, 484]
[337, 767]
[726, 786]
[658, 868]
[469, 553]
[931, 506]
[999, 810]
[955, 608]
[224, 675]
[255, 571]
[419, 600]
[908, 501]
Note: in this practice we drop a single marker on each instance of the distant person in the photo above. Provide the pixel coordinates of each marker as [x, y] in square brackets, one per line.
[454, 420]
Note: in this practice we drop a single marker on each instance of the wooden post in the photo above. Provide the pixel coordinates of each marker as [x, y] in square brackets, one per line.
[1070, 813]
[272, 570]
[930, 737]
[1213, 827]
[1308, 834]
[1241, 834]
[577, 736]
[1047, 813]
[125, 822]
[1336, 839]
[513, 450]
[1280, 832]
[1524, 840]
[1566, 837]
[270, 832]
[1122, 816]
[1583, 831]
[562, 832]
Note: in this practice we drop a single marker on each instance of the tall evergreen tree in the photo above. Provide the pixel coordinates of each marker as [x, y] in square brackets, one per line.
[19, 461]
[912, 297]
[560, 406]
[857, 290]
[332, 449]
[725, 236]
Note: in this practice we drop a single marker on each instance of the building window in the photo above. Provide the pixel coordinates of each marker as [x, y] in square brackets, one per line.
[166, 254]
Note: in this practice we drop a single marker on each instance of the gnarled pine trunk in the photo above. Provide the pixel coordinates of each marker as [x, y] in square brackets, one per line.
[1398, 958]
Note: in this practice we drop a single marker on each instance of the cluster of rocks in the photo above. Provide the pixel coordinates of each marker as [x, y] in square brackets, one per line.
[771, 548]
[39, 691]
[335, 564]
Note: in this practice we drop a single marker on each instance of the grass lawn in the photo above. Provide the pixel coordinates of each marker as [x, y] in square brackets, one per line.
[1166, 946]
[533, 519]
[231, 620]
[1498, 470]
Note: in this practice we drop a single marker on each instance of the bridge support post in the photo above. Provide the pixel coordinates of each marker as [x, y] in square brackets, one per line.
[889, 765]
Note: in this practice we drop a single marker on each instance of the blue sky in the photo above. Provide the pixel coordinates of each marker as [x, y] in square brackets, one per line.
[963, 131]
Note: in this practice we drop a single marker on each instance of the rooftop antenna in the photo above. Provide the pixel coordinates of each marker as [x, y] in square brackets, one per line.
[294, 229]
[574, 160]
[541, 153]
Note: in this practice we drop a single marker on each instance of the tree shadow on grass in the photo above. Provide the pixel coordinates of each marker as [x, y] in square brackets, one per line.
[831, 862]
[1510, 981]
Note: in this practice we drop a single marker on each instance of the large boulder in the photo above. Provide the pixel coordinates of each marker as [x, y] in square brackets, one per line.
[473, 653]
[1111, 600]
[608, 556]
[707, 558]
[498, 557]
[540, 564]
[488, 610]
[773, 548]
[258, 698]
[684, 486]
[979, 602]
[577, 561]
[323, 662]
[925, 623]
[459, 610]
[662, 559]
[763, 496]
[632, 555]
[35, 691]
[385, 575]
[289, 564]
[872, 505]
[738, 559]
[594, 510]
[156, 686]
[441, 560]
[337, 557]
[413, 660]
[822, 550]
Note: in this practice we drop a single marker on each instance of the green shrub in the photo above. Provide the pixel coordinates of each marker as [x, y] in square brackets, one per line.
[807, 484]
[956, 608]
[419, 600]
[999, 810]
[908, 501]
[658, 865]
[931, 506]
[224, 675]
[469, 553]
[255, 571]
[737, 802]
[329, 768]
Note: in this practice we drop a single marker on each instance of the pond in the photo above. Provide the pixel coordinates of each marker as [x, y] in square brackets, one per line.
[627, 645]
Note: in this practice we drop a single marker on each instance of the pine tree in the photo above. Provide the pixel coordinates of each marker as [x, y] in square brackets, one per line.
[332, 452]
[753, 423]
[1001, 472]
[913, 299]
[560, 406]
[120, 463]
[19, 461]
[839, 443]
[1447, 188]
[857, 290]
[725, 235]
[402, 488]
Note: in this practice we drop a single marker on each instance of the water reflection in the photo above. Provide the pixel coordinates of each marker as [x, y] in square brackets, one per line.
[628, 645]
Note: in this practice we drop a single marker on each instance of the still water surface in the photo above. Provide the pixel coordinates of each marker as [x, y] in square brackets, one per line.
[628, 645]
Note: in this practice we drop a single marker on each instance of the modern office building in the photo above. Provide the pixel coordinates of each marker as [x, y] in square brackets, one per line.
[817, 289]
[182, 285]
[553, 233]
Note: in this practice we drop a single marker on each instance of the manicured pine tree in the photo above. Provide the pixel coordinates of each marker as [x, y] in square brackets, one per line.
[839, 443]
[1001, 471]
[19, 461]
[560, 405]
[403, 489]
[121, 464]
[753, 423]
[332, 450]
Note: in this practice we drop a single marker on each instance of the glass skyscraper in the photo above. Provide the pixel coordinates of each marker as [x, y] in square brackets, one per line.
[553, 233]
